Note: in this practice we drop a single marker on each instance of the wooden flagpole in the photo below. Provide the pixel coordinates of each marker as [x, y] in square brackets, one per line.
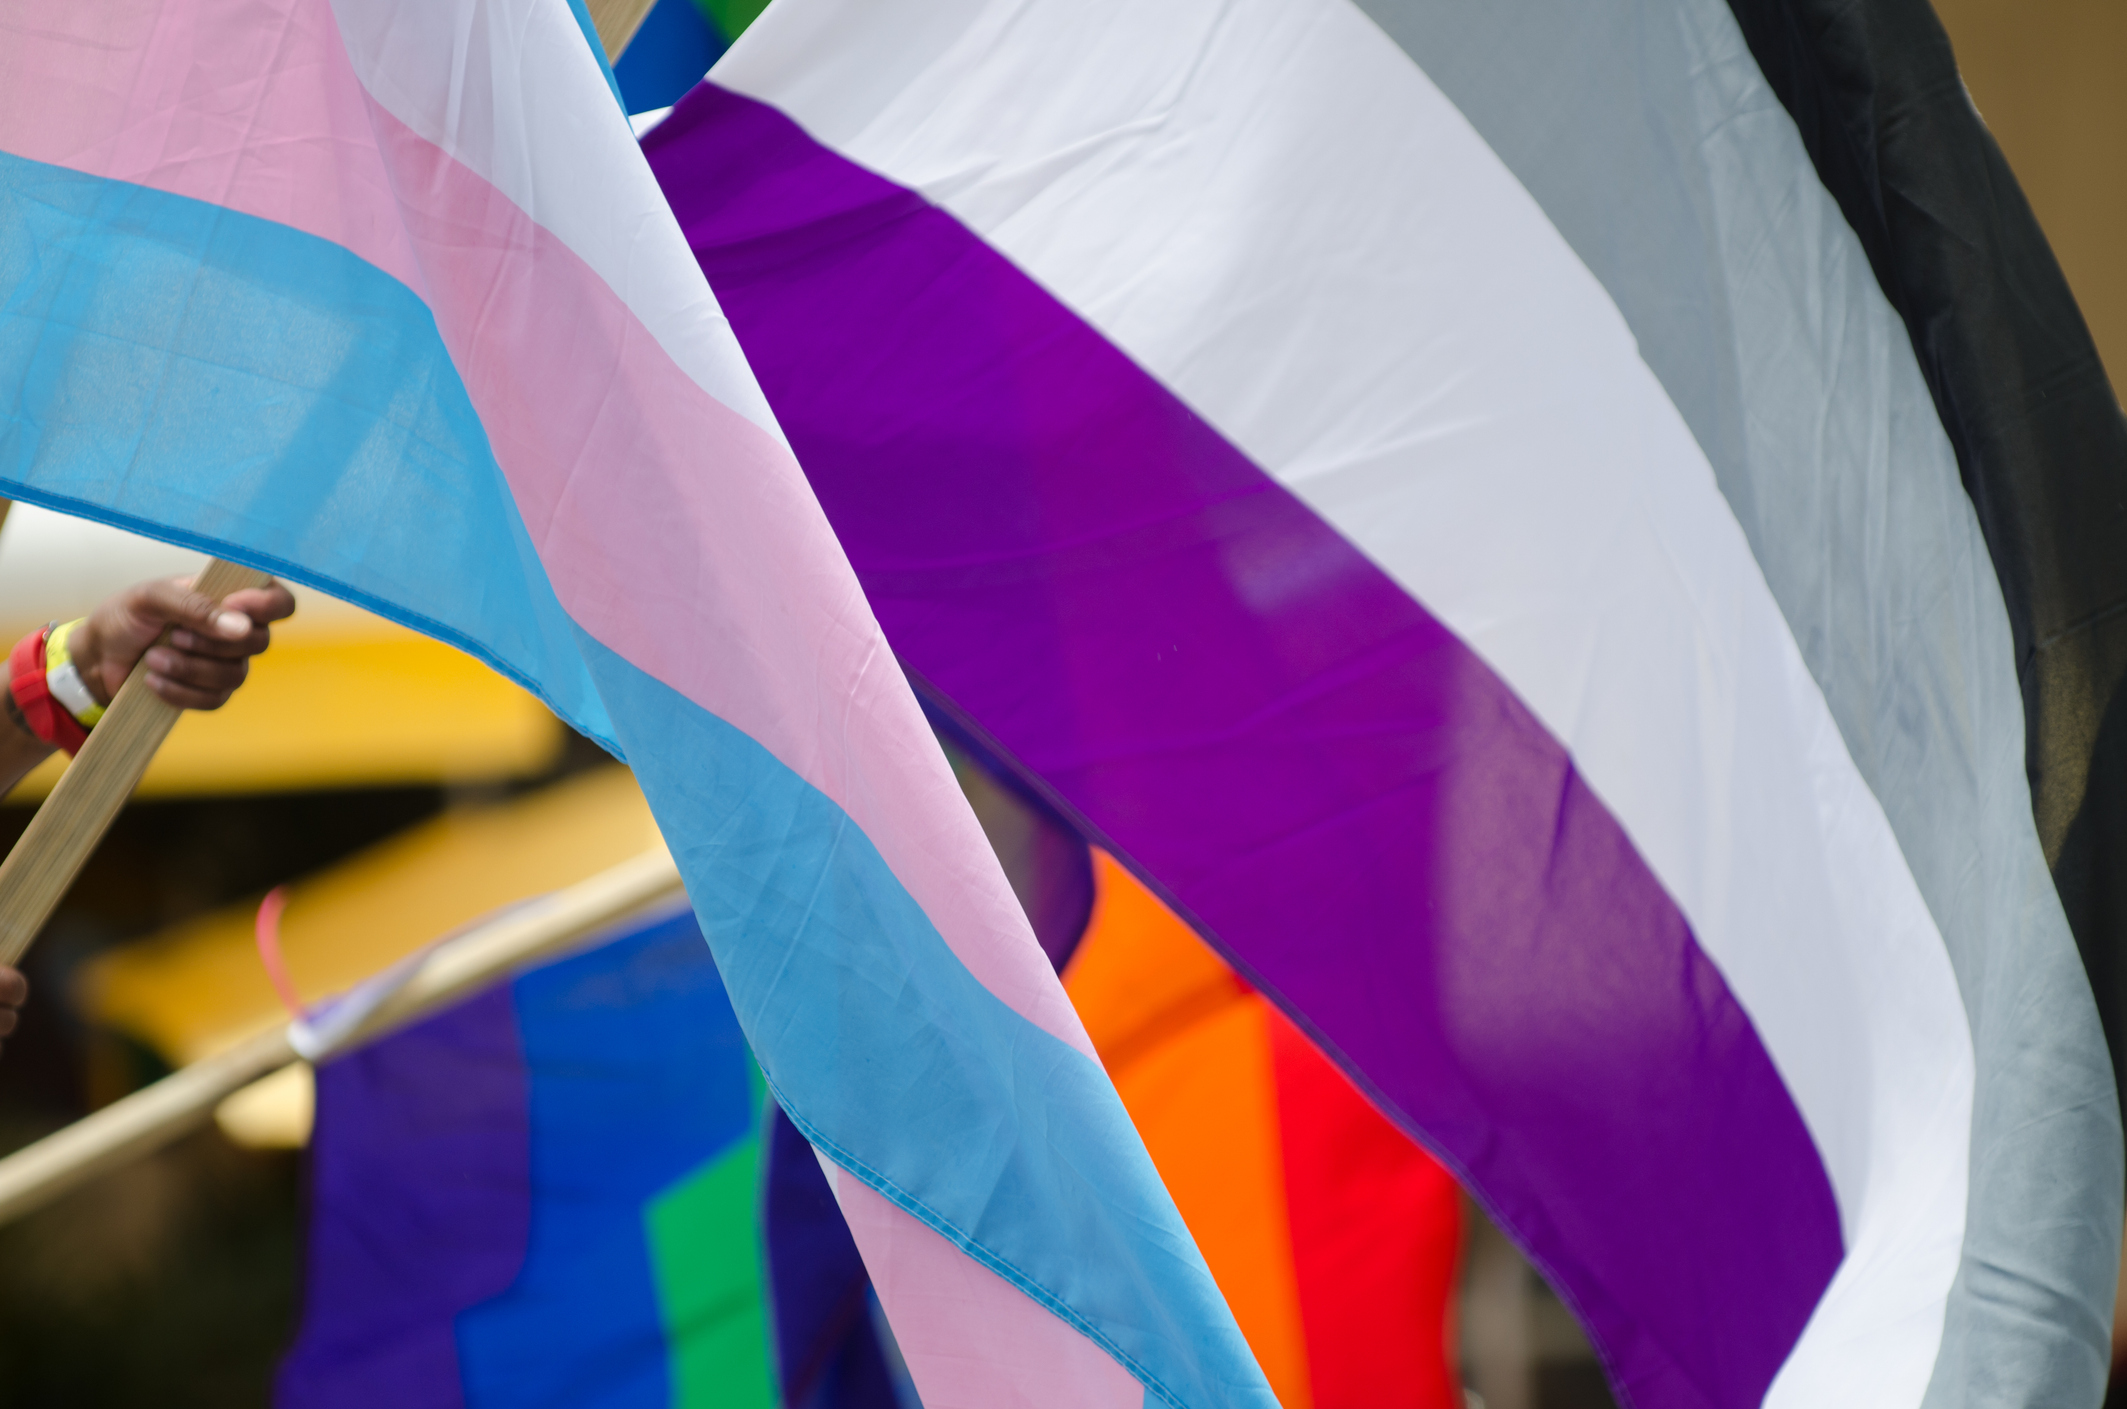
[185, 1100]
[616, 22]
[70, 823]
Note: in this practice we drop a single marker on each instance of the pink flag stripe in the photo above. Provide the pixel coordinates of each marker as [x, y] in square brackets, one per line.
[971, 1340]
[519, 100]
[283, 129]
[267, 119]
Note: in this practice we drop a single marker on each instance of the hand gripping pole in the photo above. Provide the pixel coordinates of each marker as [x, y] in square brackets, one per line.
[60, 838]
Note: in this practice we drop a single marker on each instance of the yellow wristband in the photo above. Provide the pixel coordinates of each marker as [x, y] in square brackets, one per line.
[63, 678]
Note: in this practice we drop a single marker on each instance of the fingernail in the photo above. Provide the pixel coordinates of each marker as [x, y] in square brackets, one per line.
[233, 624]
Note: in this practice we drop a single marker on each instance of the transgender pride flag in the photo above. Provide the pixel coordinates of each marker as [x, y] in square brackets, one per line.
[1443, 490]
[382, 297]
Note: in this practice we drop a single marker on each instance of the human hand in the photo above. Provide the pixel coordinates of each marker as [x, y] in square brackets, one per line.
[206, 657]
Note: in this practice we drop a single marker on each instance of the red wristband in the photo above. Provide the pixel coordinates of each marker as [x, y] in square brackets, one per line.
[48, 719]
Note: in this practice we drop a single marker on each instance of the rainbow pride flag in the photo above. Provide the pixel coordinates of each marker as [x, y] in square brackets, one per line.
[571, 1190]
[1543, 532]
[544, 1195]
[383, 298]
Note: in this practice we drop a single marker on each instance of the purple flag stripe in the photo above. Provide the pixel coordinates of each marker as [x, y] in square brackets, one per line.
[1325, 780]
[422, 1204]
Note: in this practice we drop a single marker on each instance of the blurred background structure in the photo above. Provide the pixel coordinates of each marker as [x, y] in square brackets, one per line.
[406, 789]
[2047, 77]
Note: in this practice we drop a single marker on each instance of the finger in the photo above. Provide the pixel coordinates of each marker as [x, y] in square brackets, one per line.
[185, 696]
[14, 988]
[171, 600]
[272, 602]
[9, 1020]
[193, 643]
[198, 672]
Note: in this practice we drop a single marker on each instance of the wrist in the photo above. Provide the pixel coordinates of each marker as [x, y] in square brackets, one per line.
[31, 694]
[84, 644]
[21, 724]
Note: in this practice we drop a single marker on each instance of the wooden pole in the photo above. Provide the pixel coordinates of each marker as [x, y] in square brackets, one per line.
[185, 1100]
[616, 22]
[135, 1125]
[66, 829]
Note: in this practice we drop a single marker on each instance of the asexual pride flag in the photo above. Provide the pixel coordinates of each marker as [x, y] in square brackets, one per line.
[1447, 492]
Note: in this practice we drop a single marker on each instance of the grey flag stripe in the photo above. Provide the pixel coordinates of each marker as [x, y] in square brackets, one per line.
[1648, 135]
